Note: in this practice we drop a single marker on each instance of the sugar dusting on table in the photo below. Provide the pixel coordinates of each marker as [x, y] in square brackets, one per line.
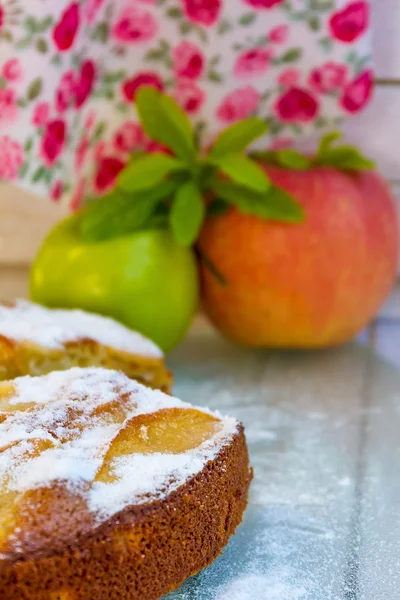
[52, 328]
[249, 587]
[302, 428]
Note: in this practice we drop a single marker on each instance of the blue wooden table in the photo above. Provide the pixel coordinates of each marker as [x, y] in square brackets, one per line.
[323, 428]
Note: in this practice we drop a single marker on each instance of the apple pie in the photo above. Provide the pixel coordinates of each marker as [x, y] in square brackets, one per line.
[110, 490]
[35, 340]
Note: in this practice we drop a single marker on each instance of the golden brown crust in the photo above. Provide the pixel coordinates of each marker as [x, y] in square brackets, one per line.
[145, 551]
[23, 358]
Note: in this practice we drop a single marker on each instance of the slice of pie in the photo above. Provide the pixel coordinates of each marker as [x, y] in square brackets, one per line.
[110, 490]
[35, 340]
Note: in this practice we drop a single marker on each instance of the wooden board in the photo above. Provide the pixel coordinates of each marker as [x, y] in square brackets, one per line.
[13, 282]
[24, 221]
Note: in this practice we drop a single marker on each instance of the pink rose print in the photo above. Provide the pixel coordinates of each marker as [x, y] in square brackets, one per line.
[1, 17]
[350, 23]
[41, 114]
[107, 171]
[189, 96]
[296, 105]
[66, 29]
[12, 70]
[90, 9]
[56, 190]
[263, 3]
[11, 157]
[328, 78]
[99, 150]
[8, 107]
[130, 86]
[151, 146]
[53, 141]
[81, 152]
[358, 92]
[75, 88]
[188, 60]
[90, 120]
[289, 78]
[65, 93]
[85, 83]
[134, 26]
[281, 143]
[252, 63]
[279, 35]
[238, 104]
[78, 195]
[205, 12]
[129, 137]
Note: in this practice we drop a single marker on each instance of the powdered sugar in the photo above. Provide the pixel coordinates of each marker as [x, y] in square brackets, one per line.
[148, 472]
[254, 586]
[52, 328]
[65, 432]
[160, 473]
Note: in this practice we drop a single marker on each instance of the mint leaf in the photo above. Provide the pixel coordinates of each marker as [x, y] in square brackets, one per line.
[274, 204]
[217, 207]
[159, 218]
[237, 137]
[179, 119]
[346, 158]
[165, 122]
[146, 171]
[292, 159]
[327, 141]
[283, 207]
[118, 213]
[358, 163]
[187, 213]
[286, 158]
[147, 102]
[265, 156]
[158, 190]
[243, 170]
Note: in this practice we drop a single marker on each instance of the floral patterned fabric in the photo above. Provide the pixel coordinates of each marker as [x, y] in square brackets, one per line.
[69, 71]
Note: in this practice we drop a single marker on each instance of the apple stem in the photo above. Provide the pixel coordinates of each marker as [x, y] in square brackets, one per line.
[210, 266]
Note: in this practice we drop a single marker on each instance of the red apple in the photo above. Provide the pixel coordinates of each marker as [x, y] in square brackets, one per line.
[310, 285]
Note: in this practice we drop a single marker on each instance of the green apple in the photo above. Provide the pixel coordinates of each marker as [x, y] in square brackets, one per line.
[145, 279]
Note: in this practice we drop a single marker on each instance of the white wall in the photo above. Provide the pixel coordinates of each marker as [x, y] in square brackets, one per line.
[377, 129]
[24, 219]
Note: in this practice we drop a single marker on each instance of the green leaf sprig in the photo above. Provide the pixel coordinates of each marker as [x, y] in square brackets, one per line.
[179, 189]
[171, 190]
[341, 157]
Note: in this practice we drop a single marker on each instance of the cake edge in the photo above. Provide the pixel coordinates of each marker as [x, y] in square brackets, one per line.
[148, 549]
